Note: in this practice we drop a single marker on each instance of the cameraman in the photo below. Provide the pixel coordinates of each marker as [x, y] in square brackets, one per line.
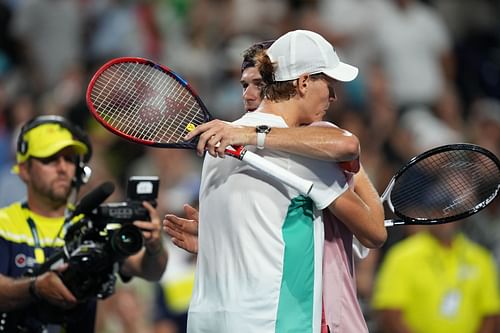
[51, 157]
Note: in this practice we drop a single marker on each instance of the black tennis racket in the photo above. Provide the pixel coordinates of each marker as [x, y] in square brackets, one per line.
[444, 184]
[150, 104]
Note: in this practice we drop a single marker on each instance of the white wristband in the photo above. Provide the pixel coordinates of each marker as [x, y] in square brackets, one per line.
[262, 131]
[261, 139]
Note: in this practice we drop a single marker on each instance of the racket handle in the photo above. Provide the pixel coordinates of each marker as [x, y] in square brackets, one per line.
[394, 222]
[279, 173]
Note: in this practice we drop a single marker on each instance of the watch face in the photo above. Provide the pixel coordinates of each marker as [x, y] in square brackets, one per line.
[263, 129]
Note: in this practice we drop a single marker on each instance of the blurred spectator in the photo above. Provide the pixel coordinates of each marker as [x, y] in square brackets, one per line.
[484, 123]
[261, 17]
[349, 25]
[118, 28]
[484, 228]
[437, 281]
[475, 27]
[50, 33]
[484, 130]
[8, 48]
[16, 114]
[414, 49]
[173, 293]
[126, 312]
[426, 130]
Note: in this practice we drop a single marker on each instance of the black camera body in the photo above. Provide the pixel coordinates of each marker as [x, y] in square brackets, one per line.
[139, 189]
[95, 246]
[105, 237]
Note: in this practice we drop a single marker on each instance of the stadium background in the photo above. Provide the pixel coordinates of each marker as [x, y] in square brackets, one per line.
[50, 48]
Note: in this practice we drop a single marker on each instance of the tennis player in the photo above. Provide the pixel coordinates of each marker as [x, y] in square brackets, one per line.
[253, 229]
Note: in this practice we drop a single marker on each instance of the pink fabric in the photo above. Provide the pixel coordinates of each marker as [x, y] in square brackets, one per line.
[342, 311]
[324, 325]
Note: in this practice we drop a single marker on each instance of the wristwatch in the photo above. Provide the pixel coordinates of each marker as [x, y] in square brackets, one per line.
[262, 131]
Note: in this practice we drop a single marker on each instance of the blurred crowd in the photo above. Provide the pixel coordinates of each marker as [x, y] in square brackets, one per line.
[429, 75]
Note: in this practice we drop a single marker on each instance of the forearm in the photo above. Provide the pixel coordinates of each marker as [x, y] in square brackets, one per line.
[370, 235]
[361, 212]
[321, 140]
[150, 262]
[324, 143]
[367, 192]
[154, 264]
[145, 264]
[14, 293]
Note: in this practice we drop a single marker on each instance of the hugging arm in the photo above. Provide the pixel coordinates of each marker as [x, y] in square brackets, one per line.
[318, 142]
[362, 212]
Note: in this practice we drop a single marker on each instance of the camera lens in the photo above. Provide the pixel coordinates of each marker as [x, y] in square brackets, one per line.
[127, 240]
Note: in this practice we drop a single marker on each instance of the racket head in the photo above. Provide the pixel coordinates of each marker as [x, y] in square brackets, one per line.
[444, 184]
[145, 102]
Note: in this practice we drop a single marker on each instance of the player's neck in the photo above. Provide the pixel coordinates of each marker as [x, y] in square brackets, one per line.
[285, 109]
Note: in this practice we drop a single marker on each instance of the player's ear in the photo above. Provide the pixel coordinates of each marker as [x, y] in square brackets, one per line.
[302, 82]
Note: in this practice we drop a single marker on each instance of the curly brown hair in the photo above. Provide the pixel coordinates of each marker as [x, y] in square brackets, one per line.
[272, 90]
[249, 54]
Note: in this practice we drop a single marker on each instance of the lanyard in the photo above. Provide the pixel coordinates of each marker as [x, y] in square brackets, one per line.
[39, 253]
[38, 250]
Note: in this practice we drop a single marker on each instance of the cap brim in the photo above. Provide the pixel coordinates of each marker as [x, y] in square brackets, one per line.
[79, 148]
[52, 149]
[343, 72]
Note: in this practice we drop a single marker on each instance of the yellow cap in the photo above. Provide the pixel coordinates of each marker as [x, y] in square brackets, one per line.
[46, 140]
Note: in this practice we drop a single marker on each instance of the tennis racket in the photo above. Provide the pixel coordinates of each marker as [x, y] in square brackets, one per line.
[444, 184]
[150, 104]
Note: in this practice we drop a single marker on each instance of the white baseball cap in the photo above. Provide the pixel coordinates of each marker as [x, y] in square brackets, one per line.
[301, 52]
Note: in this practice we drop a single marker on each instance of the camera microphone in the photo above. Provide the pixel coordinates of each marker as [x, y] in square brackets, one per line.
[93, 199]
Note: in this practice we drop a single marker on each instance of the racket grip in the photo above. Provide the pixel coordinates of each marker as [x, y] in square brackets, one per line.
[388, 223]
[277, 172]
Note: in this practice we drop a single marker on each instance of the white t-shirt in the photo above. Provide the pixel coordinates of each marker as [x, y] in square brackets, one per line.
[259, 263]
[411, 43]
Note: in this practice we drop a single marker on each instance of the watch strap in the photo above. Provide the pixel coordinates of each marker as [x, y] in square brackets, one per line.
[261, 131]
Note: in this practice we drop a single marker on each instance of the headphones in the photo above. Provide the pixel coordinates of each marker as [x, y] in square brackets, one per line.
[83, 171]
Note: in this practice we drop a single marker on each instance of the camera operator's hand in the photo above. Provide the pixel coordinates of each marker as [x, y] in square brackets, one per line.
[49, 286]
[149, 263]
[151, 230]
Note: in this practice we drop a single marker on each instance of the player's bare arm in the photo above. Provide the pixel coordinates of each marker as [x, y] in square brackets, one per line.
[325, 143]
[362, 212]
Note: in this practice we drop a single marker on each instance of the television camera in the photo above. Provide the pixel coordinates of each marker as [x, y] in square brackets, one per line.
[100, 236]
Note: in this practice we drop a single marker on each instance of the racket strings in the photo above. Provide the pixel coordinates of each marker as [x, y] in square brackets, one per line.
[169, 88]
[145, 80]
[130, 123]
[445, 184]
[114, 91]
[142, 101]
[172, 90]
[141, 75]
[103, 92]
